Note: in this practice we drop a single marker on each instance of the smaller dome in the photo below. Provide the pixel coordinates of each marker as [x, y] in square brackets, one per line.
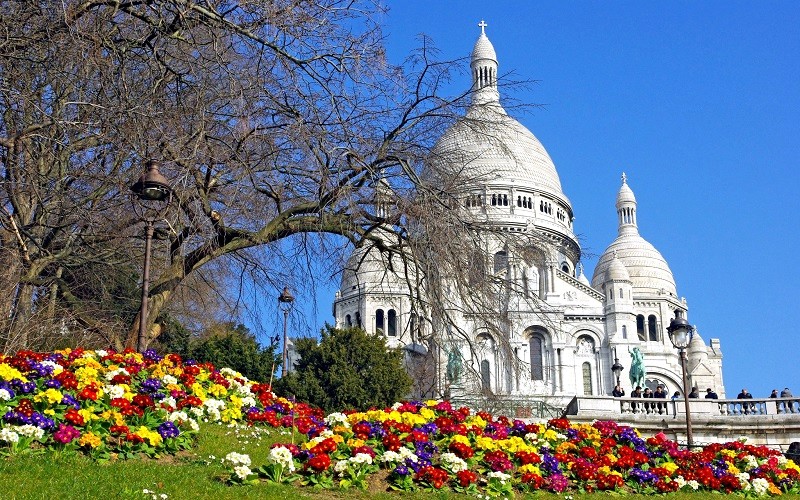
[582, 277]
[625, 194]
[484, 49]
[617, 271]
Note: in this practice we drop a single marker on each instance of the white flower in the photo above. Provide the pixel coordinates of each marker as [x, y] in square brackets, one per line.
[337, 418]
[242, 471]
[361, 458]
[760, 486]
[397, 406]
[235, 459]
[249, 401]
[5, 395]
[114, 391]
[169, 379]
[502, 476]
[113, 373]
[391, 456]
[752, 462]
[282, 456]
[693, 484]
[340, 466]
[178, 416]
[453, 462]
[681, 481]
[8, 435]
[30, 431]
[782, 460]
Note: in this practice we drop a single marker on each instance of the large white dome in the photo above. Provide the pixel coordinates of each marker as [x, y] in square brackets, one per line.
[488, 145]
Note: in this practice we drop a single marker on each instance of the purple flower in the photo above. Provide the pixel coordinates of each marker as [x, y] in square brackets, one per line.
[151, 355]
[643, 476]
[69, 400]
[151, 385]
[401, 470]
[168, 430]
[42, 422]
[52, 384]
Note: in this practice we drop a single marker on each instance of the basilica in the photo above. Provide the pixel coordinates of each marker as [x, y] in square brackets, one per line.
[564, 332]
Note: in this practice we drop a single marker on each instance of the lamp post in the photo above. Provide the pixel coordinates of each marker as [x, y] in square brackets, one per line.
[285, 300]
[680, 334]
[617, 367]
[154, 195]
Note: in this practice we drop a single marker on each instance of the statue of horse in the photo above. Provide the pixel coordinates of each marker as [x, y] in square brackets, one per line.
[637, 372]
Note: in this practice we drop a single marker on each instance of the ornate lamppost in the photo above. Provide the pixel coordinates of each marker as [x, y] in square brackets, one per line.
[616, 367]
[285, 300]
[680, 334]
[153, 193]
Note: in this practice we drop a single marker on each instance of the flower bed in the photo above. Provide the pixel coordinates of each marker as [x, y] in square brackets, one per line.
[105, 403]
[434, 446]
[109, 404]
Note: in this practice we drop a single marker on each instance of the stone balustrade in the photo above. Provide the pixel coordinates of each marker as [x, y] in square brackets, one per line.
[770, 421]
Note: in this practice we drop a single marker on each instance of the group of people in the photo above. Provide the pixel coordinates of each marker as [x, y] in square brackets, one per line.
[661, 393]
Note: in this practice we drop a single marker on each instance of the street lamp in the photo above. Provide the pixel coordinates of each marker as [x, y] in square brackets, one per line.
[680, 334]
[285, 299]
[616, 367]
[154, 195]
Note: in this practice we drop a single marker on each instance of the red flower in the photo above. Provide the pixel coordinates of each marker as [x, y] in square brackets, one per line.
[319, 463]
[466, 477]
[391, 442]
[72, 416]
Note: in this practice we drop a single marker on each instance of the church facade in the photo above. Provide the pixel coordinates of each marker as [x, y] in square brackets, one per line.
[563, 332]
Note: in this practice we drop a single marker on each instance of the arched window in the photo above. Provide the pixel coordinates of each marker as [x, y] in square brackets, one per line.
[358, 319]
[621, 294]
[587, 379]
[379, 321]
[412, 325]
[392, 323]
[640, 327]
[565, 268]
[500, 261]
[537, 344]
[494, 199]
[624, 331]
[651, 327]
[486, 376]
[348, 321]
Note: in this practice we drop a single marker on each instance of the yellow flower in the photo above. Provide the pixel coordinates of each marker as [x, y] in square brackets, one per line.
[565, 447]
[198, 391]
[427, 414]
[485, 443]
[458, 438]
[728, 454]
[337, 439]
[475, 420]
[151, 437]
[50, 412]
[733, 469]
[231, 413]
[613, 459]
[88, 414]
[86, 374]
[529, 468]
[218, 391]
[7, 372]
[671, 467]
[91, 439]
[52, 396]
[355, 443]
[790, 464]
[431, 402]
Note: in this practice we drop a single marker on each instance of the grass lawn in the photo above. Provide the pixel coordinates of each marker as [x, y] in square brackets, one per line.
[194, 474]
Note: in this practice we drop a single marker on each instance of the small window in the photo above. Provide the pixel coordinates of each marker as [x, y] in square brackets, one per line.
[651, 328]
[519, 201]
[486, 376]
[621, 295]
[624, 331]
[640, 327]
[587, 379]
[494, 200]
[537, 357]
[392, 323]
[505, 200]
[348, 321]
[358, 319]
[379, 321]
[565, 268]
[500, 261]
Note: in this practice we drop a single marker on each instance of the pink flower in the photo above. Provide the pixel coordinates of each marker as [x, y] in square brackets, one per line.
[66, 434]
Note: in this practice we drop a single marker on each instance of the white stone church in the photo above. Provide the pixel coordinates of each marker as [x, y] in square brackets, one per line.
[565, 341]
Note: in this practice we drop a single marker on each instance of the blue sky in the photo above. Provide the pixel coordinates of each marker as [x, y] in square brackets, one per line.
[699, 103]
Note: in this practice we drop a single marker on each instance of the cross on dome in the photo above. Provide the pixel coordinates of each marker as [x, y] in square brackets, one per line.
[483, 26]
[624, 178]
